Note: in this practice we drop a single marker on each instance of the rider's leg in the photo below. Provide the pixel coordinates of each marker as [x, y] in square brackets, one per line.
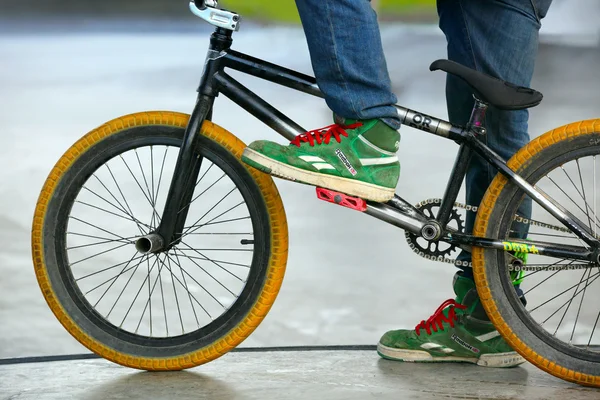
[498, 37]
[358, 158]
[347, 58]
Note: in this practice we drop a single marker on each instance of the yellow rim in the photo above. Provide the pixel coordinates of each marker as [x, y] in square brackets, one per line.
[277, 261]
[516, 163]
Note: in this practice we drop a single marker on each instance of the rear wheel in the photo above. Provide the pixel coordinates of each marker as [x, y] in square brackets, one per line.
[174, 309]
[559, 328]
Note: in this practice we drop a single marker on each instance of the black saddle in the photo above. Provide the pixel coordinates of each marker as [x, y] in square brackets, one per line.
[490, 90]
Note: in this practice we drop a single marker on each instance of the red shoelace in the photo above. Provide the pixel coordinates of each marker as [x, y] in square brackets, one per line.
[438, 318]
[323, 135]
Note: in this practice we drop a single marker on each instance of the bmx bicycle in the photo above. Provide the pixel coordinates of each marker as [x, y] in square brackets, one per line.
[157, 248]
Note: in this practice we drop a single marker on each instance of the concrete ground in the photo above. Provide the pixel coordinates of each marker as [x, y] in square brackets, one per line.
[332, 375]
[339, 288]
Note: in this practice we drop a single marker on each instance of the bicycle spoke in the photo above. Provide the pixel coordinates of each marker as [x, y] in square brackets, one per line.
[203, 288]
[206, 259]
[224, 249]
[594, 169]
[212, 208]
[153, 195]
[215, 279]
[225, 221]
[547, 234]
[218, 216]
[198, 283]
[112, 213]
[151, 199]
[98, 237]
[113, 196]
[212, 261]
[168, 259]
[162, 167]
[568, 302]
[205, 190]
[99, 254]
[178, 262]
[138, 293]
[577, 189]
[136, 180]
[108, 202]
[579, 310]
[162, 295]
[223, 233]
[115, 278]
[109, 268]
[189, 229]
[534, 272]
[561, 293]
[149, 302]
[99, 243]
[137, 156]
[593, 329]
[150, 292]
[584, 198]
[571, 301]
[97, 227]
[569, 197]
[123, 290]
[204, 174]
[558, 295]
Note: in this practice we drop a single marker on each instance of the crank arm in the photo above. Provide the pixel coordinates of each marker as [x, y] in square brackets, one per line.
[397, 211]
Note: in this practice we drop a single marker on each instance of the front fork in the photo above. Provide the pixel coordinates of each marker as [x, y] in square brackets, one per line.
[185, 175]
[170, 229]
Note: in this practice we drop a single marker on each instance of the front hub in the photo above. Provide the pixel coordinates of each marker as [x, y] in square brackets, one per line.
[152, 243]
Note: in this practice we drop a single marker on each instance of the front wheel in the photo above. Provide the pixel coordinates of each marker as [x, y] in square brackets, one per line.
[558, 329]
[177, 308]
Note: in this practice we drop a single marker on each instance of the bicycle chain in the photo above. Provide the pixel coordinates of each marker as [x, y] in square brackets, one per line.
[517, 218]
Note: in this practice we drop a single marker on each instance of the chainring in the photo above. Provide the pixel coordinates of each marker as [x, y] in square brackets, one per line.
[434, 249]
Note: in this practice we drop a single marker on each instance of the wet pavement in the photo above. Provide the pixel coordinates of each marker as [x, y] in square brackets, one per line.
[286, 375]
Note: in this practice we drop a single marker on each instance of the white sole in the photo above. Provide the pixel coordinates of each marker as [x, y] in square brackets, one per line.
[497, 360]
[350, 187]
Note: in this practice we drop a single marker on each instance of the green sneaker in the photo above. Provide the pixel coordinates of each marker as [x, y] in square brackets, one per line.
[356, 157]
[459, 331]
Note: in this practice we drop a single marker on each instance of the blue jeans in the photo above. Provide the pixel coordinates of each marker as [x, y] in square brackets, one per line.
[497, 37]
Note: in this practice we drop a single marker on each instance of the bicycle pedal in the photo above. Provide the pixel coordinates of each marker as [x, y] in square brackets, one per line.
[341, 199]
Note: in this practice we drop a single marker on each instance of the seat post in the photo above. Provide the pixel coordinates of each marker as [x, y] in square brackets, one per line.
[477, 121]
[477, 126]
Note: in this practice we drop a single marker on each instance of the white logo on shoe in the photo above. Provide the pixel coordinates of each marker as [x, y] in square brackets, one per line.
[345, 161]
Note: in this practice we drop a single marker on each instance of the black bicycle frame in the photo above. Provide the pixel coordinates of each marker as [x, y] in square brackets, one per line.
[214, 81]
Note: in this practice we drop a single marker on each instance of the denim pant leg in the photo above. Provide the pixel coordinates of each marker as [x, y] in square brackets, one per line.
[347, 58]
[499, 38]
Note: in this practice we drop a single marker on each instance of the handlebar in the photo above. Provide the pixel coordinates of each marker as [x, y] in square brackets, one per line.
[206, 9]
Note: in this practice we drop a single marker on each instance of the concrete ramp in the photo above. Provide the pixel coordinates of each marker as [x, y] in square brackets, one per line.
[342, 373]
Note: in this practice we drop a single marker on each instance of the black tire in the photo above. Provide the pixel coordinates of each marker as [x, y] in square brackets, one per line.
[495, 217]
